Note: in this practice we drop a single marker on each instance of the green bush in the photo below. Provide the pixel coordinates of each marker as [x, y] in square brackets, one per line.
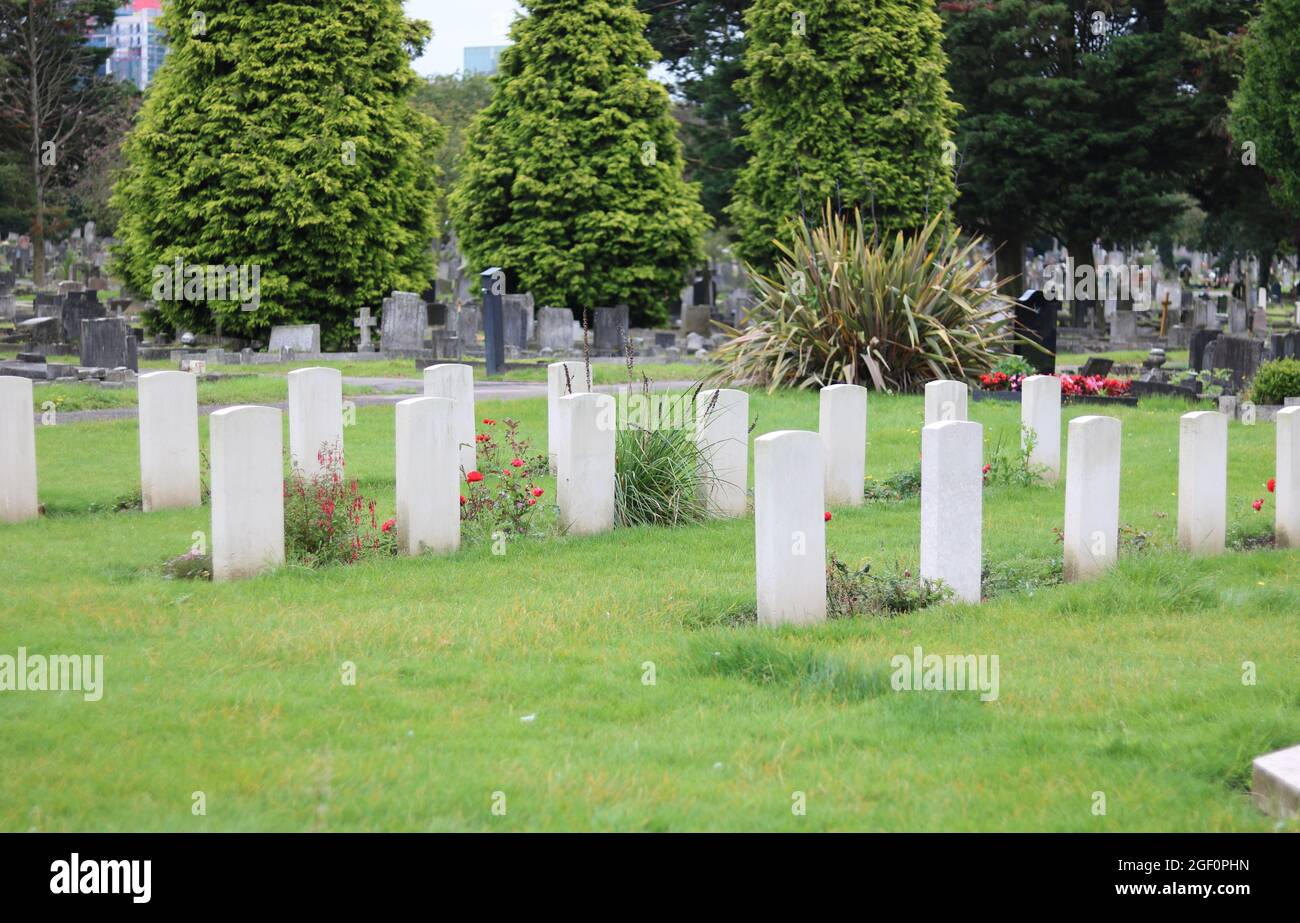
[844, 306]
[1276, 381]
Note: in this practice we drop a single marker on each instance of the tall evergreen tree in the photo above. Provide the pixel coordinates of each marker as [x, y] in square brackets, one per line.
[702, 43]
[1265, 108]
[1230, 187]
[1074, 121]
[283, 136]
[849, 104]
[572, 176]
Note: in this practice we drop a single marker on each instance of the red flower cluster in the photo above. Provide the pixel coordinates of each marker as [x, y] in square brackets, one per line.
[1093, 386]
[502, 493]
[1001, 381]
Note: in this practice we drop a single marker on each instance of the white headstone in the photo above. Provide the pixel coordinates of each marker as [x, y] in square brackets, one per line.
[1040, 413]
[247, 459]
[1202, 482]
[17, 451]
[169, 440]
[555, 389]
[1092, 474]
[315, 416]
[585, 484]
[456, 382]
[1287, 488]
[722, 434]
[428, 476]
[790, 528]
[945, 400]
[952, 505]
[843, 428]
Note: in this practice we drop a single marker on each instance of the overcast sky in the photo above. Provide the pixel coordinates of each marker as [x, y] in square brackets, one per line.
[457, 24]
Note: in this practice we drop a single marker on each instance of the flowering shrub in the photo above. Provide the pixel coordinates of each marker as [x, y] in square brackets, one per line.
[328, 521]
[502, 493]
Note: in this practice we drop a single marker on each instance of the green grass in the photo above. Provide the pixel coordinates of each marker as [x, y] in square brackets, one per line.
[243, 389]
[1130, 685]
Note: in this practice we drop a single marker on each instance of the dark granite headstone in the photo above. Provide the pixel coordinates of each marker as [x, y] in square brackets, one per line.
[1036, 322]
[610, 327]
[108, 343]
[664, 340]
[437, 313]
[1241, 356]
[1097, 365]
[1196, 350]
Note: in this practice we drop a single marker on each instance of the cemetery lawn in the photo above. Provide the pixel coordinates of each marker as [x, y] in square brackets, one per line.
[236, 389]
[523, 673]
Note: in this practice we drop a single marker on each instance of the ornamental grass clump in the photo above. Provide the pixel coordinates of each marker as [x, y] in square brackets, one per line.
[893, 314]
[327, 520]
[662, 474]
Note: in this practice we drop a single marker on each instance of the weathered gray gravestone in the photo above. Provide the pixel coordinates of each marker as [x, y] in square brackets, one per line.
[518, 319]
[1123, 327]
[467, 326]
[555, 329]
[403, 323]
[76, 307]
[41, 332]
[696, 318]
[363, 323]
[301, 338]
[1241, 356]
[610, 328]
[1238, 319]
[109, 343]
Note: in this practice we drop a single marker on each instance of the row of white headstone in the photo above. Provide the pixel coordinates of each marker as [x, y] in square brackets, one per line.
[797, 474]
[791, 492]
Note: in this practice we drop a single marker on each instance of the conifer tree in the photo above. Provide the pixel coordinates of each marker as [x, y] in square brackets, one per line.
[572, 175]
[282, 136]
[849, 105]
[1264, 109]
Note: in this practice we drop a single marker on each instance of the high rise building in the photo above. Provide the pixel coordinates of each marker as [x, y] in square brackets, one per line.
[482, 59]
[137, 41]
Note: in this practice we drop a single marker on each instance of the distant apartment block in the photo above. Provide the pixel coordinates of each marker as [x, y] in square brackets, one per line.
[482, 59]
[137, 42]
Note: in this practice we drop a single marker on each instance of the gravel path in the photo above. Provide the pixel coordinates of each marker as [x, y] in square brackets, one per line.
[395, 389]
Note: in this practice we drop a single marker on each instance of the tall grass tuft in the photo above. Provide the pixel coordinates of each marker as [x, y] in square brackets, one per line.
[845, 307]
[662, 474]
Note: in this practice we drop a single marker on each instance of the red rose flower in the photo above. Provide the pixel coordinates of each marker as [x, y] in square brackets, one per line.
[986, 469]
[517, 463]
[828, 517]
[388, 526]
[474, 477]
[537, 491]
[462, 499]
[1258, 505]
[487, 422]
[532, 502]
[1271, 485]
